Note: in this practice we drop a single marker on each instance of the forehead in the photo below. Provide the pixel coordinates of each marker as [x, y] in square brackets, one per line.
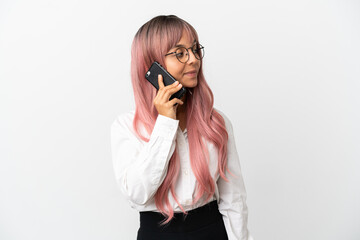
[187, 39]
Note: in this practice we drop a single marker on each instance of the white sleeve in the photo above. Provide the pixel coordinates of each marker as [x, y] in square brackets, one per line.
[140, 167]
[232, 194]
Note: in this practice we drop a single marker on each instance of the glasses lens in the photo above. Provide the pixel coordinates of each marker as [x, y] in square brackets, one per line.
[198, 51]
[182, 54]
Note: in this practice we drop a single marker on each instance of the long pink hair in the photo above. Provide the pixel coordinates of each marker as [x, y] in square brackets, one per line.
[152, 41]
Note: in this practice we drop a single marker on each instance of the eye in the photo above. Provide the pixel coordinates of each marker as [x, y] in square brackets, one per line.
[180, 52]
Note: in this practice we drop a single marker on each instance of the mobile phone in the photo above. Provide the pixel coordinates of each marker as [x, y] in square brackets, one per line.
[152, 76]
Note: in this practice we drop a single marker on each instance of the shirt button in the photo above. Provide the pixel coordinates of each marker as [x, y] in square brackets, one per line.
[186, 172]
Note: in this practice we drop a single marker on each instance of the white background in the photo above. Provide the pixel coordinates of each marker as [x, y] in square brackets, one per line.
[286, 73]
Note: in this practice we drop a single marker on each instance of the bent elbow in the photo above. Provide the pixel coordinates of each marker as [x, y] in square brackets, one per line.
[137, 194]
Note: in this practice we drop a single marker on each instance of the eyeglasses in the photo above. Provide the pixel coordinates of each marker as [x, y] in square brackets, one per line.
[182, 53]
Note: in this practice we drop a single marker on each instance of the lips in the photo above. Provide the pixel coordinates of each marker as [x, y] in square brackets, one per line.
[191, 72]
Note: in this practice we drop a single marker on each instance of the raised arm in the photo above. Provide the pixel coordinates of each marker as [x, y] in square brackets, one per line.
[140, 167]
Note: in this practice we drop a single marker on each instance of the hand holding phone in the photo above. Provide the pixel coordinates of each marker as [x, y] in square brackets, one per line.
[169, 90]
[152, 76]
[163, 105]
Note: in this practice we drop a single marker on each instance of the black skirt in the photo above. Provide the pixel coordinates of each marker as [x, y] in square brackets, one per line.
[205, 222]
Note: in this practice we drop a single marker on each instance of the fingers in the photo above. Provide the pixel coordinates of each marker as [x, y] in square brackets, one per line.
[165, 92]
[176, 101]
[160, 81]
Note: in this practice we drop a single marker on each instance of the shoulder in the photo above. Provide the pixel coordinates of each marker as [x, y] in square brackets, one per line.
[123, 120]
[221, 113]
[228, 124]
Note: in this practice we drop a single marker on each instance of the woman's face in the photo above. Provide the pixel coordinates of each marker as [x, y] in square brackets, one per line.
[185, 73]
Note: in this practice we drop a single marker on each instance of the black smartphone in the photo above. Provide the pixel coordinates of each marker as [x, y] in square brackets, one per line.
[152, 76]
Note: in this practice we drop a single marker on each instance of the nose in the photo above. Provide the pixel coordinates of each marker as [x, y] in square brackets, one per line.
[192, 57]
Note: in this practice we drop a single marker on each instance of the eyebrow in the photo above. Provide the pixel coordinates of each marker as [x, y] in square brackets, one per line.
[181, 45]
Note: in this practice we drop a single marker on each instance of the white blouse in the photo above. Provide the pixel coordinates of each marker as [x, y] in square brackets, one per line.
[140, 167]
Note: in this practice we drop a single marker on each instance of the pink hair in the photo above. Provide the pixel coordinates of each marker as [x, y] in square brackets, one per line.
[152, 41]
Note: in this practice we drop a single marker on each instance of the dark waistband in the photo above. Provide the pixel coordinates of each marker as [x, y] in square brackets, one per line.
[195, 219]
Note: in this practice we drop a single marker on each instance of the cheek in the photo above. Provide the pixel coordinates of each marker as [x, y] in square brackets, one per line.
[174, 69]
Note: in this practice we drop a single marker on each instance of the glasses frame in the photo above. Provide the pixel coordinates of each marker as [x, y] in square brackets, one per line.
[201, 47]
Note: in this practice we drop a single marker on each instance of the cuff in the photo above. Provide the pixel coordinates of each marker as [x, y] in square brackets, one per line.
[165, 127]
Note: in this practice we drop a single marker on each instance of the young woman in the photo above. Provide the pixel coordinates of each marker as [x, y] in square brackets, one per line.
[176, 161]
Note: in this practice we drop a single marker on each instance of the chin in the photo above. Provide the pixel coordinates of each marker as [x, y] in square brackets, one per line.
[191, 84]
